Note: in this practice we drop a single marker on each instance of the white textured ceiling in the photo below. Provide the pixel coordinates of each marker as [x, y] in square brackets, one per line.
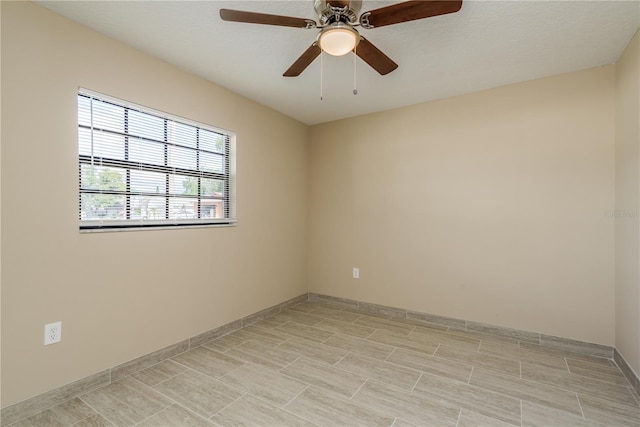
[487, 44]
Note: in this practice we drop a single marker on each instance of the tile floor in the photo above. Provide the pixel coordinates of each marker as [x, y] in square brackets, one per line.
[320, 365]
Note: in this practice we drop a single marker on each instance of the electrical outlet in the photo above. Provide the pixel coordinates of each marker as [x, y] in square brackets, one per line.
[356, 273]
[52, 333]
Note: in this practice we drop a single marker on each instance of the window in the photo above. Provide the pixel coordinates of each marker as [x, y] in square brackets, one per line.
[142, 168]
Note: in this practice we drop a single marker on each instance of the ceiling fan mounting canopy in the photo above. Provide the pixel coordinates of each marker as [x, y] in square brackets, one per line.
[337, 20]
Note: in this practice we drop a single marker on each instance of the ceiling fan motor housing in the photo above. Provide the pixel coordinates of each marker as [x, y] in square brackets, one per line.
[333, 11]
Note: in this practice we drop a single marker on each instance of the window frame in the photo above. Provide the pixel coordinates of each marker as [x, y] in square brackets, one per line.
[170, 172]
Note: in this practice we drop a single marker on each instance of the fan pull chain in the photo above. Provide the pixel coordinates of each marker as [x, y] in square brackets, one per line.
[321, 69]
[355, 87]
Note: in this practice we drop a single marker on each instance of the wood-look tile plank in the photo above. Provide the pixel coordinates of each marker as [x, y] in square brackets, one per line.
[176, 415]
[480, 360]
[159, 373]
[266, 336]
[209, 362]
[324, 376]
[358, 346]
[515, 352]
[96, 420]
[252, 412]
[402, 423]
[389, 373]
[26, 408]
[313, 350]
[304, 307]
[302, 318]
[304, 331]
[565, 353]
[403, 341]
[382, 310]
[255, 352]
[126, 402]
[335, 314]
[265, 383]
[473, 419]
[418, 325]
[543, 416]
[578, 384]
[199, 393]
[440, 337]
[331, 301]
[492, 341]
[599, 372]
[225, 343]
[326, 409]
[345, 328]
[410, 407]
[501, 331]
[269, 322]
[369, 314]
[433, 365]
[609, 412]
[470, 397]
[384, 324]
[153, 358]
[576, 346]
[527, 390]
[65, 414]
[435, 319]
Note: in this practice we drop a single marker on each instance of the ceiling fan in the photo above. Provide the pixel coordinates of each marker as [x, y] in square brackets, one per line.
[337, 21]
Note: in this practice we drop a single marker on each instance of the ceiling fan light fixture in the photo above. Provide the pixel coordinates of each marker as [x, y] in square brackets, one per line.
[338, 39]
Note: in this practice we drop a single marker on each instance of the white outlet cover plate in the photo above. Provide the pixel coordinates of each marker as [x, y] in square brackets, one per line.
[52, 333]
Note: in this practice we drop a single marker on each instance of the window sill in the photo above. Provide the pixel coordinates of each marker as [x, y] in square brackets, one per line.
[161, 227]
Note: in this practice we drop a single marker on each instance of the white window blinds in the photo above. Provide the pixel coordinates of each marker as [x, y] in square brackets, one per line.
[142, 168]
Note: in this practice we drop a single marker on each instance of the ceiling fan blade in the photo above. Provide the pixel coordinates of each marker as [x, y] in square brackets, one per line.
[409, 11]
[303, 62]
[374, 57]
[264, 18]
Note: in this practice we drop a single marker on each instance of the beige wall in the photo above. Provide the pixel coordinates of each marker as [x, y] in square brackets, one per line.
[627, 190]
[122, 295]
[488, 207]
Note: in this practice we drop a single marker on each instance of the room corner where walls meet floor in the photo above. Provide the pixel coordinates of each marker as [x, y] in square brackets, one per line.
[67, 392]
